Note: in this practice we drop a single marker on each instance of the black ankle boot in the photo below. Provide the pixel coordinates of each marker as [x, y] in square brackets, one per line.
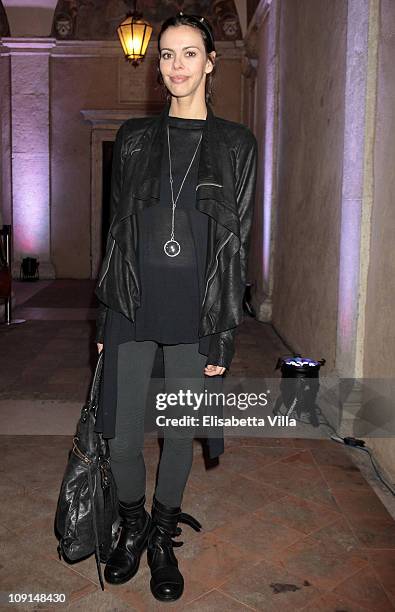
[124, 561]
[167, 582]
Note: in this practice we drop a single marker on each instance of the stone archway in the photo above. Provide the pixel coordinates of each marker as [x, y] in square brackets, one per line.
[98, 19]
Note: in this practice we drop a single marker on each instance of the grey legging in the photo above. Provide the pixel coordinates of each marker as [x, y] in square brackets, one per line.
[135, 362]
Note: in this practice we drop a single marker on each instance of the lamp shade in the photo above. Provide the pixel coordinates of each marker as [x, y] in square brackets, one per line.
[134, 35]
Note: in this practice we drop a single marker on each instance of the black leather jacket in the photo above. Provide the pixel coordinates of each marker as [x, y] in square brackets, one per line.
[225, 191]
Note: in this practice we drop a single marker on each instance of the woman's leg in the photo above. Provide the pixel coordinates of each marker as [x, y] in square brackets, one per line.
[184, 367]
[135, 362]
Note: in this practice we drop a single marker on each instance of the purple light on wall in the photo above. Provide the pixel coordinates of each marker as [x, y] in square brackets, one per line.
[30, 204]
[352, 187]
[29, 72]
[267, 195]
[270, 118]
[349, 269]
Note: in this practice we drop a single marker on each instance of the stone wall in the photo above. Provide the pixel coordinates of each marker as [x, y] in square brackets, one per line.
[5, 155]
[379, 345]
[310, 143]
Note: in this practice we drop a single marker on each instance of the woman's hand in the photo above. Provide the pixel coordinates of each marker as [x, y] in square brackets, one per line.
[99, 347]
[214, 370]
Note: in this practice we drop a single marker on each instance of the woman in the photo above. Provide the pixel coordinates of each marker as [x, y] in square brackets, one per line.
[174, 274]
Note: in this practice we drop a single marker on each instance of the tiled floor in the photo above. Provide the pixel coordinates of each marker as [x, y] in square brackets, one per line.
[288, 524]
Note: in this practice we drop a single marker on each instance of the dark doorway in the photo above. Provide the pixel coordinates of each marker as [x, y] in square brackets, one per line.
[107, 153]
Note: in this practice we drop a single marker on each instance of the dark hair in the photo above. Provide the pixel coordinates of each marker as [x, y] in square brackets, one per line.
[201, 24]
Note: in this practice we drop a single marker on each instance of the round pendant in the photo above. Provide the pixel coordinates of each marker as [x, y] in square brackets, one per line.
[171, 248]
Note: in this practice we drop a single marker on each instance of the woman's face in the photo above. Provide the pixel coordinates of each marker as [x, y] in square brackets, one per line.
[183, 61]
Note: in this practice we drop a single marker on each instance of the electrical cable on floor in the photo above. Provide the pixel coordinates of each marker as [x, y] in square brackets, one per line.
[351, 442]
[360, 445]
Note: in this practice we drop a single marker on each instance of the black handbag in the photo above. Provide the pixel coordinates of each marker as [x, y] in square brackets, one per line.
[87, 517]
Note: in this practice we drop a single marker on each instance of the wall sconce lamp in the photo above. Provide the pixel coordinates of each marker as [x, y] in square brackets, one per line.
[134, 34]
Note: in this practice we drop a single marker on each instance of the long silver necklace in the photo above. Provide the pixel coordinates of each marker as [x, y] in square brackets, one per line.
[172, 247]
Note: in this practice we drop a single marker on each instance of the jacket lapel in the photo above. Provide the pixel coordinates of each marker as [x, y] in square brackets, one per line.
[214, 195]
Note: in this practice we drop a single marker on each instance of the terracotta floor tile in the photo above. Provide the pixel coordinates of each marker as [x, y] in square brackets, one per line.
[210, 560]
[263, 538]
[299, 464]
[32, 465]
[241, 460]
[24, 509]
[323, 567]
[208, 479]
[44, 441]
[269, 588]
[282, 477]
[314, 443]
[9, 487]
[215, 601]
[303, 515]
[335, 456]
[101, 601]
[270, 442]
[300, 459]
[209, 508]
[247, 495]
[360, 503]
[270, 455]
[364, 588]
[383, 564]
[347, 477]
[36, 574]
[333, 603]
[339, 534]
[305, 482]
[69, 375]
[373, 532]
[39, 535]
[316, 491]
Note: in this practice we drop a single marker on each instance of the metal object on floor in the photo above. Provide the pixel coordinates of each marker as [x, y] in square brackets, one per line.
[5, 269]
[299, 387]
[29, 269]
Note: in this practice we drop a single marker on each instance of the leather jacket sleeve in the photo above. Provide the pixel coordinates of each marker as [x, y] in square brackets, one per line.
[222, 348]
[246, 169]
[222, 344]
[116, 185]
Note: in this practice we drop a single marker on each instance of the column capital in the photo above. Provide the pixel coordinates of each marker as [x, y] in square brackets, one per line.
[28, 46]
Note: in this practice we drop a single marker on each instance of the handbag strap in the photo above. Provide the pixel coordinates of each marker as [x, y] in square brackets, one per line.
[94, 521]
[94, 389]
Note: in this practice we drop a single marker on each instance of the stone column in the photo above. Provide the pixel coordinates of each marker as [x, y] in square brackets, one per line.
[357, 202]
[356, 210]
[5, 134]
[30, 117]
[262, 43]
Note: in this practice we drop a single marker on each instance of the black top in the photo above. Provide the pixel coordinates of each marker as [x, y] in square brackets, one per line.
[172, 287]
